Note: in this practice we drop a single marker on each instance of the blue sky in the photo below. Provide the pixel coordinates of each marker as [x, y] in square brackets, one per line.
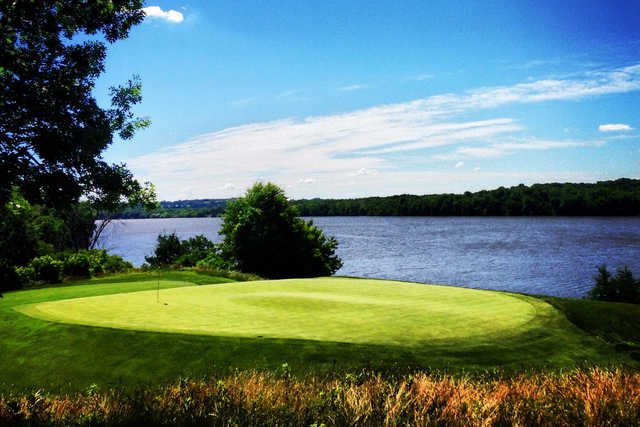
[349, 99]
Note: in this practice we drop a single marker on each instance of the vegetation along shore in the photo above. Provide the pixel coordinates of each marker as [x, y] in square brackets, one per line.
[605, 198]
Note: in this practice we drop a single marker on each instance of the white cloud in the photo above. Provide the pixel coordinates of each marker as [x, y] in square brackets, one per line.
[364, 172]
[169, 15]
[329, 148]
[505, 148]
[459, 165]
[354, 87]
[306, 181]
[476, 169]
[228, 186]
[614, 127]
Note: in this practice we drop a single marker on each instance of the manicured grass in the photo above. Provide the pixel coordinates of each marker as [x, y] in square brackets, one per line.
[315, 325]
[324, 309]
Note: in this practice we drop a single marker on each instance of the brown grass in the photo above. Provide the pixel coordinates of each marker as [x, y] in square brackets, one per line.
[588, 397]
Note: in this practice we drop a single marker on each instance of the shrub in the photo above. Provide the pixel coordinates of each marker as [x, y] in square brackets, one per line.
[77, 265]
[214, 261]
[171, 250]
[47, 269]
[168, 250]
[265, 236]
[97, 259]
[25, 276]
[115, 264]
[622, 287]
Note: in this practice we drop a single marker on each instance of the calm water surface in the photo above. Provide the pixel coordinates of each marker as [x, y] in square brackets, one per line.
[552, 256]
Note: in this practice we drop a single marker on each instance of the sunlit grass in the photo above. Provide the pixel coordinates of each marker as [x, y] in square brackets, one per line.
[317, 326]
[325, 309]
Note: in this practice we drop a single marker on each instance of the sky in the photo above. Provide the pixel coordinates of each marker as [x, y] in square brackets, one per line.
[339, 99]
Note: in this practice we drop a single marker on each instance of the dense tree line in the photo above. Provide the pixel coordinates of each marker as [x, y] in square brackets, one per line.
[605, 198]
[199, 208]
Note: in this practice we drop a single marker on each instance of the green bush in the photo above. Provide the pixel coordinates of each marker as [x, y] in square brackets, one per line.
[84, 263]
[47, 269]
[25, 275]
[170, 250]
[115, 264]
[97, 259]
[167, 251]
[264, 235]
[622, 287]
[214, 261]
[77, 265]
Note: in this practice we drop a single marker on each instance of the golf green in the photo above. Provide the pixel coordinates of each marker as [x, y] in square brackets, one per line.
[328, 309]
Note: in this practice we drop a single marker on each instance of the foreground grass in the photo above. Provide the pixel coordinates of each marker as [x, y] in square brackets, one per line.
[591, 398]
[527, 334]
[614, 322]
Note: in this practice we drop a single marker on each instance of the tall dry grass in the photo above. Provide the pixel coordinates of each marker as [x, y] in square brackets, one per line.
[588, 398]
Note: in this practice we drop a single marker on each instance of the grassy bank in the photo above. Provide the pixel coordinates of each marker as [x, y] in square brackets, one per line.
[414, 328]
[591, 398]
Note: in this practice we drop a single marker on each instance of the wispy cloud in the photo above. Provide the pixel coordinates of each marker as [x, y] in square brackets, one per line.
[354, 87]
[614, 127]
[506, 148]
[333, 149]
[169, 15]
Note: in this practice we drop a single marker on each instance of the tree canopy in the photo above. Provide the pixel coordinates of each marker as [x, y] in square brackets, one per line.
[52, 131]
[265, 236]
[53, 178]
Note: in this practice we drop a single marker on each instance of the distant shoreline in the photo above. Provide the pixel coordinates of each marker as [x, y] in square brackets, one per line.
[604, 198]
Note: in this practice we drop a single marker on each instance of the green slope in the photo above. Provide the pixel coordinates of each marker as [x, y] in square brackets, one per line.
[315, 325]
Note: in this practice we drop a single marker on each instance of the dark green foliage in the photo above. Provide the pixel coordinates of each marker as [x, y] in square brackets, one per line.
[47, 269]
[176, 209]
[196, 249]
[605, 198]
[52, 268]
[52, 131]
[214, 261]
[77, 265]
[622, 287]
[265, 236]
[26, 232]
[170, 250]
[115, 264]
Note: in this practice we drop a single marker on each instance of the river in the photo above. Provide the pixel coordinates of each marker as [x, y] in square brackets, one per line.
[540, 255]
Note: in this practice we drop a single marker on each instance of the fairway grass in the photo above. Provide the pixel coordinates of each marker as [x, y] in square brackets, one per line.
[326, 309]
[121, 332]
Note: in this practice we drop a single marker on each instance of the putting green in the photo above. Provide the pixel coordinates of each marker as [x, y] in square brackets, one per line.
[324, 309]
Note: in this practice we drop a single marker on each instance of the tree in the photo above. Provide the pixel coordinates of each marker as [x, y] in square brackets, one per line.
[619, 288]
[52, 131]
[171, 250]
[265, 236]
